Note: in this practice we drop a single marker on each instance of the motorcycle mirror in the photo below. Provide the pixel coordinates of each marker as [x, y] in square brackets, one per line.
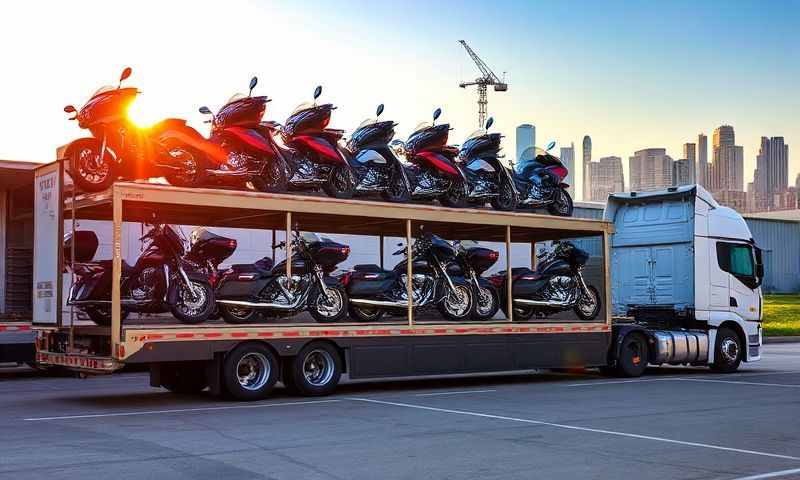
[253, 83]
[317, 92]
[379, 110]
[70, 109]
[489, 123]
[550, 146]
[205, 110]
[125, 74]
[437, 113]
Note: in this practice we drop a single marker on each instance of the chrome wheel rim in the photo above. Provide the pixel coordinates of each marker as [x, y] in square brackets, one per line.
[457, 303]
[367, 313]
[561, 203]
[588, 303]
[187, 161]
[331, 304]
[318, 367]
[485, 302]
[240, 313]
[193, 302]
[91, 167]
[730, 350]
[253, 371]
[342, 180]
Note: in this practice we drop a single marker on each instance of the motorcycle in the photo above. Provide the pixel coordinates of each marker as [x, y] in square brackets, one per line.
[118, 149]
[375, 166]
[250, 157]
[245, 291]
[487, 178]
[470, 262]
[161, 280]
[556, 285]
[310, 151]
[374, 291]
[540, 181]
[432, 171]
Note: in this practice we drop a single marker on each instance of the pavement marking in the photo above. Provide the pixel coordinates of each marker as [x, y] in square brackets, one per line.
[176, 410]
[615, 382]
[785, 385]
[582, 429]
[459, 392]
[780, 473]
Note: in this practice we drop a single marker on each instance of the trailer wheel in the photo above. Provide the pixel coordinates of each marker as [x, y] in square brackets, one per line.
[315, 370]
[250, 371]
[727, 351]
[632, 359]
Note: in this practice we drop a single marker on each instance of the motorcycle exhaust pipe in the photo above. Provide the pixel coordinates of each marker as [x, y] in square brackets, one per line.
[230, 173]
[380, 303]
[242, 303]
[541, 303]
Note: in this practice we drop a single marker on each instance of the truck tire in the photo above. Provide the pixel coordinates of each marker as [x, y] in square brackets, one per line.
[250, 371]
[315, 371]
[728, 351]
[632, 359]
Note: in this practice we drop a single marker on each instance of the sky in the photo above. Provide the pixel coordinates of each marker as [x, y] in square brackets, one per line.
[632, 74]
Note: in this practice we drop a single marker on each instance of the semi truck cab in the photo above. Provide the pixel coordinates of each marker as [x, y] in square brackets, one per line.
[686, 273]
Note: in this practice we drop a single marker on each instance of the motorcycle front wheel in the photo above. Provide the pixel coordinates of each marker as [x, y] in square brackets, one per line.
[588, 306]
[328, 308]
[102, 315]
[506, 198]
[236, 314]
[487, 303]
[456, 196]
[457, 305]
[562, 204]
[340, 184]
[194, 306]
[397, 190]
[191, 166]
[90, 172]
[365, 314]
[272, 179]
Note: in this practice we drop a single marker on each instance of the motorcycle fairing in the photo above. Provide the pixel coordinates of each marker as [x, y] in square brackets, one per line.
[439, 162]
[250, 138]
[326, 151]
[176, 130]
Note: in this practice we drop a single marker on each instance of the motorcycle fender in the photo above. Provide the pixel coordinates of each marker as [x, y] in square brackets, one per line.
[484, 282]
[331, 281]
[249, 137]
[442, 164]
[327, 152]
[389, 155]
[172, 294]
[85, 287]
[63, 153]
[564, 185]
[176, 131]
[443, 288]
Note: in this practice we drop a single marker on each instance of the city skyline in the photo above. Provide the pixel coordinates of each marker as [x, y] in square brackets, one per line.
[652, 71]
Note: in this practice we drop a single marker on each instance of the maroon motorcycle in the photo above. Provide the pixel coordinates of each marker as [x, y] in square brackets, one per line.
[251, 157]
[118, 149]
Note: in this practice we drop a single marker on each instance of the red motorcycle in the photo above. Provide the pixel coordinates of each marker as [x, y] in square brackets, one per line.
[118, 149]
[251, 158]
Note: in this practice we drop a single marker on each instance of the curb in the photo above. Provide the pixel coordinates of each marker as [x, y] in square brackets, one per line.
[786, 339]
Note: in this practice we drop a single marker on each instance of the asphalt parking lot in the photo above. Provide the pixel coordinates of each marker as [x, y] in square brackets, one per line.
[673, 423]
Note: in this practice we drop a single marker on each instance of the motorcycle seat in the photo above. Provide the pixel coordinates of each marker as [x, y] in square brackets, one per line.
[263, 265]
[368, 267]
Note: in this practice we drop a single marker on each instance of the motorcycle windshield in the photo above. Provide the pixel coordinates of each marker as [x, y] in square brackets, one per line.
[535, 156]
[467, 244]
[476, 134]
[301, 107]
[421, 126]
[367, 122]
[311, 237]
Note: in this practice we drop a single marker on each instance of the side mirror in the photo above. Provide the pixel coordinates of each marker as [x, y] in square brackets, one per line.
[550, 146]
[125, 74]
[489, 123]
[70, 109]
[317, 92]
[379, 110]
[253, 83]
[205, 110]
[437, 113]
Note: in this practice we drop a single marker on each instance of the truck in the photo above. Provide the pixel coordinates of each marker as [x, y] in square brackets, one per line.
[246, 361]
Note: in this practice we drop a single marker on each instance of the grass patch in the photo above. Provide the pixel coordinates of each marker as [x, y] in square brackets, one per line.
[781, 314]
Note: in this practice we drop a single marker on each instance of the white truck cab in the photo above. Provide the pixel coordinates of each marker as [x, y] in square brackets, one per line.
[687, 272]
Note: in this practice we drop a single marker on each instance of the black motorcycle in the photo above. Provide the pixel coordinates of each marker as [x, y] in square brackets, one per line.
[374, 164]
[487, 178]
[374, 291]
[540, 183]
[245, 291]
[431, 171]
[161, 280]
[311, 153]
[556, 285]
[470, 263]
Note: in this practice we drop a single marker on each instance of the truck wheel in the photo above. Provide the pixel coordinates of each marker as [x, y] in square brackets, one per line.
[727, 351]
[250, 371]
[632, 360]
[182, 378]
[315, 370]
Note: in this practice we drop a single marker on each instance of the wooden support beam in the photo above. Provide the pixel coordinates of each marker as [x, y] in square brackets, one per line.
[409, 273]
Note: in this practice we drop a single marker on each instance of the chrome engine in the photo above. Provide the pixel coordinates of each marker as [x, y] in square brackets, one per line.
[561, 289]
[428, 184]
[307, 171]
[145, 286]
[422, 289]
[237, 161]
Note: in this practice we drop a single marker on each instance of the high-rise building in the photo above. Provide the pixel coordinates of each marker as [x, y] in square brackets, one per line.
[587, 167]
[681, 172]
[702, 160]
[606, 177]
[771, 176]
[690, 154]
[650, 169]
[727, 168]
[526, 138]
[568, 159]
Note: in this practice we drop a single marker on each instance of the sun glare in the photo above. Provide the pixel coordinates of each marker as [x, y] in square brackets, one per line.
[142, 115]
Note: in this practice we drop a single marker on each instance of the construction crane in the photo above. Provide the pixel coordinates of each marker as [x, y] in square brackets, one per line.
[487, 78]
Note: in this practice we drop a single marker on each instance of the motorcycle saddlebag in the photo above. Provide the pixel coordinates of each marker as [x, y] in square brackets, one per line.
[365, 282]
[241, 281]
[527, 283]
[86, 244]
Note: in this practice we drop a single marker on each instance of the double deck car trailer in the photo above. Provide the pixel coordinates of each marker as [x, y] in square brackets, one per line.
[308, 356]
